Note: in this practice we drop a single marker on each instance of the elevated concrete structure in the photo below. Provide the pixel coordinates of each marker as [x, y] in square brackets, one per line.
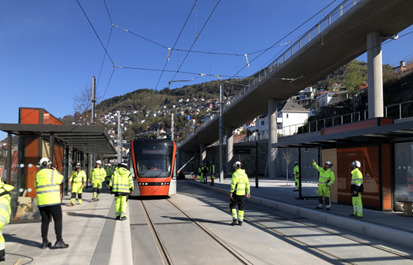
[339, 43]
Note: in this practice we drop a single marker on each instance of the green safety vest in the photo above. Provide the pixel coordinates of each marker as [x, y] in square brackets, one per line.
[240, 182]
[121, 181]
[5, 197]
[78, 177]
[296, 172]
[98, 174]
[212, 169]
[47, 183]
[326, 176]
[356, 177]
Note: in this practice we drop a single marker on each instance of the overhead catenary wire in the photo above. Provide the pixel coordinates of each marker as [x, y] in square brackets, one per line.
[176, 41]
[196, 38]
[277, 42]
[94, 30]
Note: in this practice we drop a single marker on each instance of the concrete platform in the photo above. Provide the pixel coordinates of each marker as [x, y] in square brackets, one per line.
[95, 237]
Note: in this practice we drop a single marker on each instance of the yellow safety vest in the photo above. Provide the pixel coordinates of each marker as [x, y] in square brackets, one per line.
[5, 197]
[78, 177]
[240, 182]
[296, 172]
[121, 181]
[98, 174]
[356, 177]
[47, 183]
[326, 176]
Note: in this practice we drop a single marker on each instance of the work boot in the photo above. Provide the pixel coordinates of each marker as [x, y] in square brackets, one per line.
[117, 217]
[61, 244]
[123, 218]
[234, 222]
[46, 244]
[239, 222]
[2, 255]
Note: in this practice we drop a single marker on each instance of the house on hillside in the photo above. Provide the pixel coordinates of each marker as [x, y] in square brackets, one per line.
[290, 116]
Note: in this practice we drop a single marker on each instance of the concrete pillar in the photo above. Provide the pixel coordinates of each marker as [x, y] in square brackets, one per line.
[230, 150]
[375, 75]
[272, 137]
[202, 154]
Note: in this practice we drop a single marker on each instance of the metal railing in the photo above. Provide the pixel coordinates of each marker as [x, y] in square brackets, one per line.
[306, 38]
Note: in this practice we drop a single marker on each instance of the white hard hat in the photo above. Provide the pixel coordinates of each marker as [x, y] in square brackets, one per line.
[237, 164]
[329, 163]
[44, 161]
[356, 163]
[78, 165]
[123, 164]
[99, 162]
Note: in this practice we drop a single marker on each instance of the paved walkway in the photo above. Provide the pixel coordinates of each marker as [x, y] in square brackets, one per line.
[90, 229]
[393, 227]
[95, 237]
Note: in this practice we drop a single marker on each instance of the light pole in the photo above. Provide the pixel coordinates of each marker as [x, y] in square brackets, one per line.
[221, 127]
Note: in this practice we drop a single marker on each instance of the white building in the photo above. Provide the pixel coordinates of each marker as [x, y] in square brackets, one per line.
[290, 117]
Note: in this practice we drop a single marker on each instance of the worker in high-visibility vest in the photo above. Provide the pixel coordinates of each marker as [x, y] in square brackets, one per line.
[108, 173]
[356, 189]
[121, 185]
[98, 176]
[325, 180]
[205, 171]
[77, 181]
[47, 183]
[212, 171]
[239, 186]
[5, 212]
[201, 174]
[296, 173]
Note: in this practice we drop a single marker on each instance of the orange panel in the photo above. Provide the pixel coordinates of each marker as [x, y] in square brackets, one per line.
[369, 159]
[154, 190]
[386, 179]
[29, 116]
[31, 157]
[357, 126]
[50, 119]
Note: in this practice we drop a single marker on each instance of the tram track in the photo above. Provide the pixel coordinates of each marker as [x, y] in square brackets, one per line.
[163, 249]
[262, 226]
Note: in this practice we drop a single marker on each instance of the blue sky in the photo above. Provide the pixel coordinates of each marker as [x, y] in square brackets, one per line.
[49, 52]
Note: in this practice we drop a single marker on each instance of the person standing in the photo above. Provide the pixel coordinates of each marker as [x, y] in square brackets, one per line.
[98, 176]
[239, 186]
[325, 180]
[108, 173]
[77, 181]
[121, 185]
[47, 183]
[205, 173]
[296, 173]
[356, 189]
[5, 212]
[201, 174]
[212, 171]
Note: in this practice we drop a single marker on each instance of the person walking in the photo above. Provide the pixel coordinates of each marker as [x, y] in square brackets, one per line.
[5, 211]
[356, 189]
[98, 176]
[212, 171]
[239, 186]
[121, 185]
[325, 180]
[47, 183]
[296, 173]
[77, 181]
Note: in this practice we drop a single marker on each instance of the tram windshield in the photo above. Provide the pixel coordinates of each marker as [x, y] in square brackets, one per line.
[153, 160]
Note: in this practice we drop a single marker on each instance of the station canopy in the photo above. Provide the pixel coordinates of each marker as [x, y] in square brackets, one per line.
[88, 139]
[398, 132]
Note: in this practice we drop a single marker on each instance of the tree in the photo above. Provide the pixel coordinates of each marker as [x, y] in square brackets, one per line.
[288, 157]
[83, 104]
